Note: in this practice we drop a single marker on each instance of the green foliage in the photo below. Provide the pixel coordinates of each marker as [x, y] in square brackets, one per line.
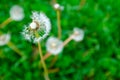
[97, 57]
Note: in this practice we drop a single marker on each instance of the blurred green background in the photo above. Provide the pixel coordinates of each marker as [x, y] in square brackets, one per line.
[97, 57]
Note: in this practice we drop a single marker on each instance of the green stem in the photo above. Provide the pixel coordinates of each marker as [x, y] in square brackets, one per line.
[53, 1]
[7, 21]
[43, 63]
[12, 46]
[67, 40]
[58, 24]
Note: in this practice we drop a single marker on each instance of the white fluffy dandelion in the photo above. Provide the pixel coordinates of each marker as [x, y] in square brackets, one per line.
[4, 39]
[78, 34]
[40, 24]
[58, 7]
[16, 13]
[54, 45]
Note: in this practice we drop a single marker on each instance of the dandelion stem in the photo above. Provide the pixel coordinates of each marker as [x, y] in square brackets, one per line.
[58, 24]
[67, 40]
[54, 60]
[53, 70]
[54, 1]
[46, 56]
[43, 63]
[12, 46]
[7, 21]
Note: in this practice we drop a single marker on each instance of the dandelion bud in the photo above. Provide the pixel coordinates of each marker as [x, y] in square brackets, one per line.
[78, 34]
[54, 45]
[4, 39]
[16, 13]
[58, 7]
[40, 24]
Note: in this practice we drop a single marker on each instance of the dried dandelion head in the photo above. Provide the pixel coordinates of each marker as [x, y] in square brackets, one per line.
[17, 13]
[78, 34]
[4, 39]
[38, 29]
[54, 45]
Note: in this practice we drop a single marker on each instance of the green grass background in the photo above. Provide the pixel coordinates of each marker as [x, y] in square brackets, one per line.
[97, 57]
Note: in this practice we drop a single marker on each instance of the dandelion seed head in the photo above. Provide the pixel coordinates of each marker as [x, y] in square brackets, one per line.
[78, 34]
[40, 24]
[4, 39]
[54, 45]
[17, 13]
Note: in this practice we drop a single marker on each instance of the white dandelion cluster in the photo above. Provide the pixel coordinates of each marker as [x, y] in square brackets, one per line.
[40, 24]
[54, 45]
[78, 34]
[4, 39]
[37, 30]
[16, 13]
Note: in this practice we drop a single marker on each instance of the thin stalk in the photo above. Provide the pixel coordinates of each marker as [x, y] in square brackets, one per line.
[7, 21]
[47, 55]
[53, 1]
[53, 70]
[54, 60]
[59, 33]
[43, 63]
[12, 46]
[67, 40]
[58, 24]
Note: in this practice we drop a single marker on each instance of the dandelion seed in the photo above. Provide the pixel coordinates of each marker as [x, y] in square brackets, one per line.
[58, 7]
[54, 45]
[78, 34]
[4, 39]
[16, 13]
[40, 24]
